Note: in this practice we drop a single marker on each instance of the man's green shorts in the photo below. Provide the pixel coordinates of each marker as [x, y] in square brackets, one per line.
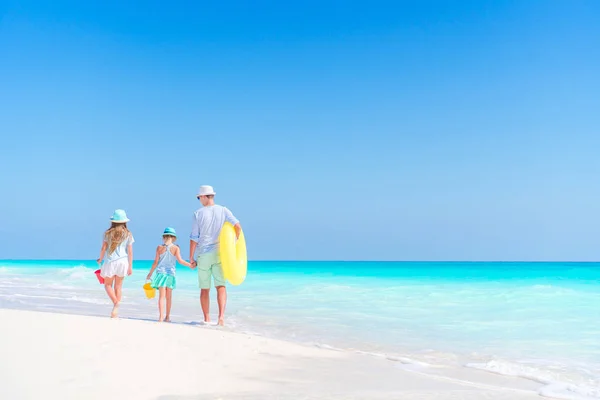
[209, 264]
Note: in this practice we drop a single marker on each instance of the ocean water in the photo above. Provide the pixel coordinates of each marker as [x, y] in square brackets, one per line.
[540, 321]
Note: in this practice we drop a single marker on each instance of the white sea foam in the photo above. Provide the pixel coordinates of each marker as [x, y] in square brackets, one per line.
[507, 368]
[10, 299]
[76, 273]
[89, 300]
[396, 358]
[553, 381]
[558, 390]
[326, 346]
[38, 296]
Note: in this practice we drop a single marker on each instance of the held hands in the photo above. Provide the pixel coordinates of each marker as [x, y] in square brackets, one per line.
[193, 264]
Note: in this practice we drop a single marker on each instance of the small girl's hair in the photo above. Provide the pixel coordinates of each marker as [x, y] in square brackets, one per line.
[115, 235]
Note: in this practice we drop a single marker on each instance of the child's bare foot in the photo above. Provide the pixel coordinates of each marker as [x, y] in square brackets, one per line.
[115, 311]
[221, 322]
[167, 319]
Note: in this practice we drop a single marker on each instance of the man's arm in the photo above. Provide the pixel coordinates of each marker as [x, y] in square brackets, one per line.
[193, 245]
[229, 217]
[194, 236]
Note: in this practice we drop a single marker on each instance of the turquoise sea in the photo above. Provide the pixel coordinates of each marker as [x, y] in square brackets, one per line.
[540, 321]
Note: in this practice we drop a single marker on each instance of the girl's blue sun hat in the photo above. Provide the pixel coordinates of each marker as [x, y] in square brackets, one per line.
[119, 217]
[170, 232]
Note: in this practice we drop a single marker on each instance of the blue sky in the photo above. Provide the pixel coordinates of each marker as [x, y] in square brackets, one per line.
[448, 130]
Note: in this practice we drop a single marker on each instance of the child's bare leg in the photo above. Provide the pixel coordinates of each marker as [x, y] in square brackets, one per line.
[118, 294]
[108, 286]
[161, 304]
[119, 288]
[169, 297]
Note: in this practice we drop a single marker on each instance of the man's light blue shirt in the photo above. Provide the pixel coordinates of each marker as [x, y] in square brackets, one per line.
[207, 225]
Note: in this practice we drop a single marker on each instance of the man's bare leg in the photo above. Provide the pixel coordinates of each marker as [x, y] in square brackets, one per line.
[222, 300]
[205, 303]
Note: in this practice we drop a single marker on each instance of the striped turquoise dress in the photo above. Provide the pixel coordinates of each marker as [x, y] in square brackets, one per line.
[164, 275]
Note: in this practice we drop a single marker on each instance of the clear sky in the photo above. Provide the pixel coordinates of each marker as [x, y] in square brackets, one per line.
[400, 130]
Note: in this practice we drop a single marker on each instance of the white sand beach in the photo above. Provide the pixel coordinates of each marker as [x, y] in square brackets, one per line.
[58, 356]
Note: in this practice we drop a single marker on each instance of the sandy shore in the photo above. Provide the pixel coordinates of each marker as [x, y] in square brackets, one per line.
[55, 356]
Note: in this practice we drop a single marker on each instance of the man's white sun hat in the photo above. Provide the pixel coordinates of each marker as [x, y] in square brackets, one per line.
[205, 190]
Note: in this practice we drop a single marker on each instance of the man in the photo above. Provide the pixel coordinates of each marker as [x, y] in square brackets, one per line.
[204, 248]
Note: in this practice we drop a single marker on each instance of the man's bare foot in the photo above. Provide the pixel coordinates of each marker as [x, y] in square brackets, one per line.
[115, 311]
[221, 322]
[167, 319]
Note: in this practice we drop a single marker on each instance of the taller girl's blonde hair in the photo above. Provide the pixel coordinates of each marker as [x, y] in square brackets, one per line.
[115, 235]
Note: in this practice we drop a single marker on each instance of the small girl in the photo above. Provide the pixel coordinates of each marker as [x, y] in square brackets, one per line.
[119, 262]
[166, 258]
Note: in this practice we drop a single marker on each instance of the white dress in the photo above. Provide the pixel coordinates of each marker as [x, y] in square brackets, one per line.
[117, 263]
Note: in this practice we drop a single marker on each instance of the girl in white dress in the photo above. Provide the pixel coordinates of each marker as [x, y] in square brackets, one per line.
[118, 245]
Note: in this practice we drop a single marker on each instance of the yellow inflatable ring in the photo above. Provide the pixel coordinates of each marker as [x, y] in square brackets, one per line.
[234, 259]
